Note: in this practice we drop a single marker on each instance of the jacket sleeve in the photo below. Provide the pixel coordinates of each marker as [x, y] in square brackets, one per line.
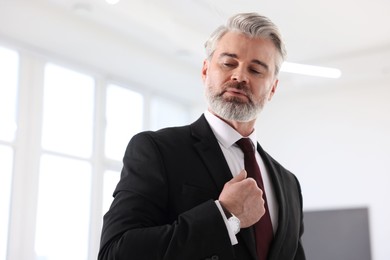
[140, 225]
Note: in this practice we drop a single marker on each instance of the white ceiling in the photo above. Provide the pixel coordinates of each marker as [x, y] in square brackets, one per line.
[164, 38]
[313, 29]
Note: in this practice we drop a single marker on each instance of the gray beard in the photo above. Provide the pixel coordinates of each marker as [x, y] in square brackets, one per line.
[233, 109]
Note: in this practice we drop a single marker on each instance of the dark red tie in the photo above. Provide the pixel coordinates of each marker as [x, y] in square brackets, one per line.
[263, 228]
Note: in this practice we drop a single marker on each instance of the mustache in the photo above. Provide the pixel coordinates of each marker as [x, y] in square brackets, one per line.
[242, 86]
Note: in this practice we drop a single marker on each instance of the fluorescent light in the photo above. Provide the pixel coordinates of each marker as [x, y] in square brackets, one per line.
[310, 70]
[112, 2]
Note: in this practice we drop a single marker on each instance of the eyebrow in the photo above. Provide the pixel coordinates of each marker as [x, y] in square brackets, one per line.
[235, 56]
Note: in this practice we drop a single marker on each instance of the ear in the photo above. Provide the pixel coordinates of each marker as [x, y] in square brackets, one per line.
[273, 89]
[205, 69]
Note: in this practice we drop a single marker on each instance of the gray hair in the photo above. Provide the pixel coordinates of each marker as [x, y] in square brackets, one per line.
[253, 25]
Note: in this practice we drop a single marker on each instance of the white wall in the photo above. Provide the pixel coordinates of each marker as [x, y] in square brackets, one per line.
[336, 139]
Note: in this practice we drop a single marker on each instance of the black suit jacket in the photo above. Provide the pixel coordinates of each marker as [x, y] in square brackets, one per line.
[164, 205]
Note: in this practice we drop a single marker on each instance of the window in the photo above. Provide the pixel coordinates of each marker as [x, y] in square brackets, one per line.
[9, 66]
[68, 112]
[69, 147]
[5, 191]
[124, 115]
[63, 212]
[110, 181]
[63, 209]
[166, 113]
[8, 86]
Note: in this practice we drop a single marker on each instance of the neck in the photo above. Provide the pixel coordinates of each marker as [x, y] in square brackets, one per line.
[244, 128]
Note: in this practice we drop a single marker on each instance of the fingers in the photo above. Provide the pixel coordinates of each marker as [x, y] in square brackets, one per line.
[240, 177]
[242, 197]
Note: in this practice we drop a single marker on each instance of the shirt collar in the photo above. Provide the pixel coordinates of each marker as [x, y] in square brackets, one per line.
[225, 134]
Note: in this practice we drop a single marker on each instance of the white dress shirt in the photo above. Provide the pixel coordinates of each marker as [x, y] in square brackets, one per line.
[227, 138]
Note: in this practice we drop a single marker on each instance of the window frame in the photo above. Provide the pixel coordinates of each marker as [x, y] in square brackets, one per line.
[28, 149]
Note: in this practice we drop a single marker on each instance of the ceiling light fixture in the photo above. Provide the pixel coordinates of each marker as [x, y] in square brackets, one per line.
[310, 70]
[112, 2]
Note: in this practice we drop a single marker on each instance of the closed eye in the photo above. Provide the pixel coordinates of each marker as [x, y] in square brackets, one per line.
[228, 64]
[255, 71]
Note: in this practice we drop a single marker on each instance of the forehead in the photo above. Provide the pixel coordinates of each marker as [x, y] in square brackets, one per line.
[246, 48]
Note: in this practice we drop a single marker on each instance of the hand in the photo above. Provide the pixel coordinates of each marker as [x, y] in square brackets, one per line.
[243, 198]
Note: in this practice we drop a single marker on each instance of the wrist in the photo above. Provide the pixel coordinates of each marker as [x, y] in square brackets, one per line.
[234, 222]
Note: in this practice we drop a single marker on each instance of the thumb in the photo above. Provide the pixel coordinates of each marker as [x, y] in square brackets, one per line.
[240, 177]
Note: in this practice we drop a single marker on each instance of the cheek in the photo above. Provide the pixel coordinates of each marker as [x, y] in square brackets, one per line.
[262, 93]
[212, 80]
[217, 76]
[207, 82]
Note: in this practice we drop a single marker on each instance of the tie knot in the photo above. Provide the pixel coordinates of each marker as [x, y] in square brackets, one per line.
[246, 145]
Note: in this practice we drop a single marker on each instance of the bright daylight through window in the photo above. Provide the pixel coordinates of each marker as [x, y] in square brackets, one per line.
[9, 66]
[65, 183]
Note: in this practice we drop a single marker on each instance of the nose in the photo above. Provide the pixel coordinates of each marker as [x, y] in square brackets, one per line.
[239, 75]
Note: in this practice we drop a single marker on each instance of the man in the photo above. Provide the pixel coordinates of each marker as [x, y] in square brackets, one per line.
[184, 193]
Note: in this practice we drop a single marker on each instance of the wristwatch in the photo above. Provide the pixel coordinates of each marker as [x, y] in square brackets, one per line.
[234, 222]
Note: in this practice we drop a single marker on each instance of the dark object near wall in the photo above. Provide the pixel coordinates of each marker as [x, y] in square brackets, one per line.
[341, 234]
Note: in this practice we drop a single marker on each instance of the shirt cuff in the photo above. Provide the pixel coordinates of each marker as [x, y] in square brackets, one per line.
[232, 236]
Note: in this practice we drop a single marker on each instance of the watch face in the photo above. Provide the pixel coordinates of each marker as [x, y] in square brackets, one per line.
[234, 223]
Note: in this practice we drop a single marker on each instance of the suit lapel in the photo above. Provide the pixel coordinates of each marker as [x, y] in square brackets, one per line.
[277, 183]
[209, 150]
